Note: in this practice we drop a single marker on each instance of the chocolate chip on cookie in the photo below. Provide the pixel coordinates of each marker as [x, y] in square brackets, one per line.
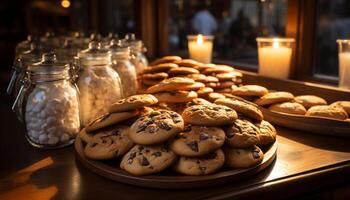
[142, 160]
[243, 158]
[209, 115]
[156, 127]
[242, 134]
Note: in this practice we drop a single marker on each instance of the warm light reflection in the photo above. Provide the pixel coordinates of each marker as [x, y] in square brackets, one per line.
[65, 3]
[200, 39]
[23, 188]
[275, 45]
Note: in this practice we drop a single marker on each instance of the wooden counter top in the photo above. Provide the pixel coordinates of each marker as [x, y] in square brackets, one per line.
[305, 163]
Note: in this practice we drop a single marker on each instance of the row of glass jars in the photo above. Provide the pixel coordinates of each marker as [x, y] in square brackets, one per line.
[54, 99]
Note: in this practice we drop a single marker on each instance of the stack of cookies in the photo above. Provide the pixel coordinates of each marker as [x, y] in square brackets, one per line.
[107, 137]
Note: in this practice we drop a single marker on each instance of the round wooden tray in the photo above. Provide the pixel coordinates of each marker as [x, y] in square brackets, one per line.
[171, 179]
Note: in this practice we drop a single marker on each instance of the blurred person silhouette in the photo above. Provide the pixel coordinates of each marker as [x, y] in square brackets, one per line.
[203, 21]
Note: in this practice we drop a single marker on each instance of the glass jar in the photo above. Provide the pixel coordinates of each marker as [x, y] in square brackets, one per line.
[98, 83]
[24, 46]
[126, 70]
[138, 58]
[20, 65]
[50, 42]
[49, 104]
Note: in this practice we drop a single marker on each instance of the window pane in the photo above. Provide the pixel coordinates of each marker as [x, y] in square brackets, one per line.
[333, 23]
[234, 23]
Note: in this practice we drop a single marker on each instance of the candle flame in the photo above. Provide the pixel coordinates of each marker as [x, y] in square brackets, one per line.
[200, 39]
[275, 45]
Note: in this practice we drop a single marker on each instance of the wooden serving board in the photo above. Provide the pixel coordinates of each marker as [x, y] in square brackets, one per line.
[171, 179]
[317, 125]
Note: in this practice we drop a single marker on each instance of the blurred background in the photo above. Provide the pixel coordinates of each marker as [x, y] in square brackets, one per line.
[234, 23]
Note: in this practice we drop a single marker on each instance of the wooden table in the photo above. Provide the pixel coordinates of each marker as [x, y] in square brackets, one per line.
[307, 165]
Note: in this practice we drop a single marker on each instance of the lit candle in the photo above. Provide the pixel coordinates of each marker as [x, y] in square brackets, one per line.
[200, 47]
[275, 56]
[344, 63]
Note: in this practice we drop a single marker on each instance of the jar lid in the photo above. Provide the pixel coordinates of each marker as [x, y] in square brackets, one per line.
[95, 53]
[48, 65]
[135, 44]
[117, 46]
[33, 55]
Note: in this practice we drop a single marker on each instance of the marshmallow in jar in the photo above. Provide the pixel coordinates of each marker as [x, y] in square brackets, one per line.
[51, 106]
[99, 85]
[138, 58]
[126, 70]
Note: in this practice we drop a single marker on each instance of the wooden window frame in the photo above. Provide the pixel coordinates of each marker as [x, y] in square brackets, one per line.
[301, 25]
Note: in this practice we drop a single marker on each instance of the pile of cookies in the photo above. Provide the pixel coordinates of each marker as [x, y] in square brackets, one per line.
[206, 137]
[286, 102]
[215, 79]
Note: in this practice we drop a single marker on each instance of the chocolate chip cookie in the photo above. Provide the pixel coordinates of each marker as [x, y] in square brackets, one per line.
[203, 165]
[267, 133]
[133, 102]
[171, 84]
[166, 59]
[310, 100]
[109, 144]
[175, 96]
[274, 97]
[209, 115]
[289, 108]
[156, 127]
[242, 134]
[332, 112]
[243, 158]
[249, 90]
[196, 141]
[248, 110]
[143, 160]
[182, 71]
[164, 67]
[109, 119]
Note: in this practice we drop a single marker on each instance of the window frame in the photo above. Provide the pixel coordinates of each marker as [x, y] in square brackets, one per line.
[300, 24]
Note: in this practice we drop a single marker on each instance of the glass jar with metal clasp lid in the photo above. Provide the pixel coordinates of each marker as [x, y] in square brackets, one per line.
[138, 57]
[98, 83]
[121, 63]
[21, 63]
[49, 104]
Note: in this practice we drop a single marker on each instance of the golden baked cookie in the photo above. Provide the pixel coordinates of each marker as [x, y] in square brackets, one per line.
[228, 76]
[213, 96]
[333, 112]
[133, 102]
[203, 67]
[221, 85]
[110, 119]
[164, 67]
[224, 90]
[203, 165]
[197, 77]
[267, 133]
[248, 110]
[289, 108]
[166, 59]
[187, 63]
[182, 71]
[194, 86]
[243, 158]
[171, 84]
[343, 104]
[143, 160]
[157, 76]
[198, 101]
[310, 100]
[218, 69]
[196, 141]
[175, 96]
[109, 144]
[209, 115]
[249, 90]
[211, 79]
[274, 97]
[205, 90]
[156, 127]
[242, 134]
